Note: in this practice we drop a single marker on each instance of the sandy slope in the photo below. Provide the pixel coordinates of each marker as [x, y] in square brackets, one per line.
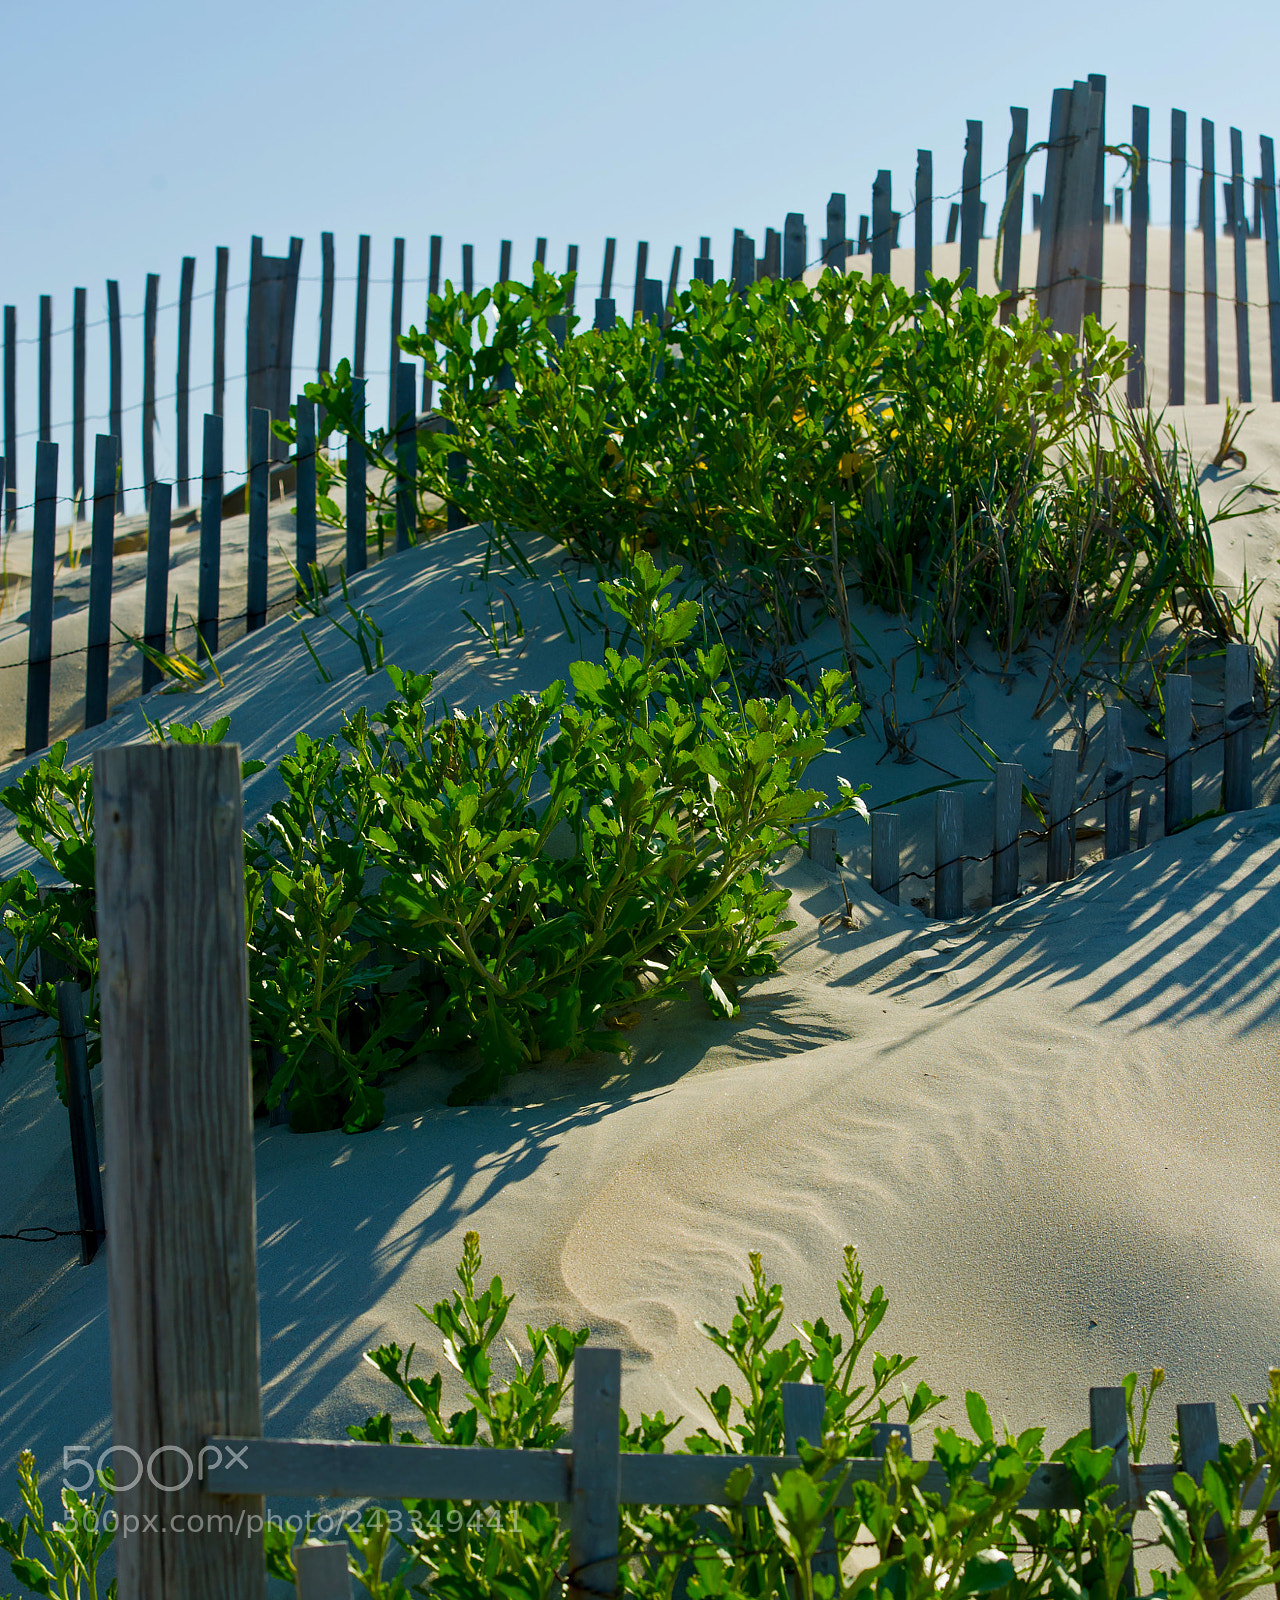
[1050, 1129]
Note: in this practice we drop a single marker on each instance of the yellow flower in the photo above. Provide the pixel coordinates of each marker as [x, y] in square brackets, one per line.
[798, 415]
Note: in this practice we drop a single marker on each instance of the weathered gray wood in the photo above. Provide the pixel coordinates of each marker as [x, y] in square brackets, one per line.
[1109, 1430]
[84, 1129]
[1093, 285]
[362, 307]
[970, 202]
[924, 219]
[864, 236]
[1117, 204]
[78, 321]
[673, 287]
[571, 272]
[210, 537]
[433, 288]
[642, 272]
[406, 456]
[150, 314]
[1272, 252]
[115, 403]
[1144, 824]
[795, 247]
[596, 1484]
[273, 298]
[540, 252]
[886, 849]
[468, 269]
[11, 416]
[770, 264]
[1198, 1445]
[182, 396]
[45, 345]
[40, 625]
[1240, 240]
[102, 553]
[324, 357]
[1178, 261]
[1177, 751]
[606, 310]
[322, 1572]
[156, 601]
[1005, 857]
[178, 1127]
[1209, 232]
[1066, 234]
[305, 479]
[744, 257]
[1141, 209]
[1117, 787]
[1060, 857]
[397, 321]
[948, 844]
[835, 247]
[1237, 725]
[504, 261]
[803, 1411]
[882, 222]
[259, 515]
[822, 848]
[221, 278]
[1014, 187]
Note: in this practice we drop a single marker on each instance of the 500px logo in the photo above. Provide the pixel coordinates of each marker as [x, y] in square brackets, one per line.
[156, 1470]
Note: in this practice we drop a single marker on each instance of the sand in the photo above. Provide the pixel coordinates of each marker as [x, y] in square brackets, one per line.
[1049, 1128]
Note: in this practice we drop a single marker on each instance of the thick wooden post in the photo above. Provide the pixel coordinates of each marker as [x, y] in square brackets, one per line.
[1014, 188]
[1177, 752]
[78, 329]
[182, 1271]
[1097, 201]
[259, 516]
[1272, 252]
[40, 627]
[886, 848]
[1117, 786]
[1138, 262]
[84, 1129]
[1178, 261]
[803, 1413]
[795, 246]
[45, 388]
[221, 277]
[115, 404]
[322, 1572]
[102, 554]
[1240, 239]
[924, 219]
[150, 314]
[948, 844]
[970, 202]
[210, 537]
[1237, 721]
[593, 1527]
[1109, 1430]
[186, 290]
[357, 493]
[1209, 230]
[305, 514]
[155, 605]
[1062, 829]
[362, 306]
[11, 416]
[1198, 1444]
[1005, 859]
[406, 455]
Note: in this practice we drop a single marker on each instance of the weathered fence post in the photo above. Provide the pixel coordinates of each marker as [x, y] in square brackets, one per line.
[115, 403]
[593, 1527]
[606, 311]
[1198, 1442]
[642, 272]
[468, 269]
[324, 356]
[182, 1273]
[182, 397]
[803, 1411]
[11, 416]
[45, 386]
[150, 313]
[835, 247]
[882, 223]
[1060, 857]
[1109, 1430]
[1140, 211]
[1240, 239]
[1014, 187]
[1005, 859]
[357, 493]
[1237, 720]
[273, 298]
[1209, 229]
[84, 1129]
[397, 316]
[221, 278]
[1177, 751]
[822, 848]
[210, 537]
[40, 627]
[362, 306]
[948, 843]
[1117, 786]
[794, 246]
[406, 455]
[304, 457]
[1097, 202]
[970, 201]
[886, 850]
[571, 271]
[770, 263]
[322, 1572]
[924, 219]
[504, 267]
[1272, 253]
[78, 330]
[102, 555]
[1178, 260]
[159, 515]
[259, 516]
[1066, 216]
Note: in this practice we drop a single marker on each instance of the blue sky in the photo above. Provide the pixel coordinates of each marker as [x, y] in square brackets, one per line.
[140, 133]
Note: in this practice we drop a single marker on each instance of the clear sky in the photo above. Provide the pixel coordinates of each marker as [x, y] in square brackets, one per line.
[145, 131]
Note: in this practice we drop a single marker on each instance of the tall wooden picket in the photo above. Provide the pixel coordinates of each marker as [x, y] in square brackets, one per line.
[1060, 858]
[1093, 282]
[221, 281]
[40, 626]
[150, 314]
[324, 357]
[406, 455]
[924, 219]
[305, 509]
[362, 307]
[182, 397]
[1177, 751]
[11, 416]
[948, 840]
[45, 386]
[259, 514]
[970, 204]
[1237, 727]
[210, 537]
[1272, 252]
[397, 315]
[115, 404]
[1005, 863]
[98, 655]
[593, 1513]
[1240, 240]
[881, 222]
[1137, 380]
[357, 492]
[1209, 233]
[78, 332]
[156, 600]
[1178, 261]
[1011, 238]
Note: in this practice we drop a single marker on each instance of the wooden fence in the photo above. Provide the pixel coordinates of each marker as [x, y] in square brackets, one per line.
[182, 1276]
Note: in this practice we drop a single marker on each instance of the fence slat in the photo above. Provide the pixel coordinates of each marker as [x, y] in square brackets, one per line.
[1060, 857]
[1117, 786]
[182, 398]
[948, 843]
[1198, 1441]
[673, 286]
[504, 264]
[362, 307]
[822, 848]
[259, 516]
[210, 537]
[606, 310]
[40, 627]
[770, 263]
[305, 480]
[794, 246]
[803, 1409]
[1178, 260]
[46, 367]
[924, 218]
[1139, 213]
[1014, 187]
[150, 314]
[571, 271]
[1093, 284]
[1209, 231]
[11, 416]
[78, 320]
[540, 251]
[970, 201]
[322, 1572]
[115, 404]
[397, 315]
[155, 604]
[102, 557]
[324, 357]
[886, 846]
[406, 455]
[468, 269]
[1237, 724]
[1177, 751]
[1240, 239]
[181, 1270]
[642, 272]
[596, 1485]
[1067, 231]
[1109, 1430]
[221, 278]
[433, 288]
[881, 222]
[1005, 859]
[84, 1129]
[1272, 252]
[835, 247]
